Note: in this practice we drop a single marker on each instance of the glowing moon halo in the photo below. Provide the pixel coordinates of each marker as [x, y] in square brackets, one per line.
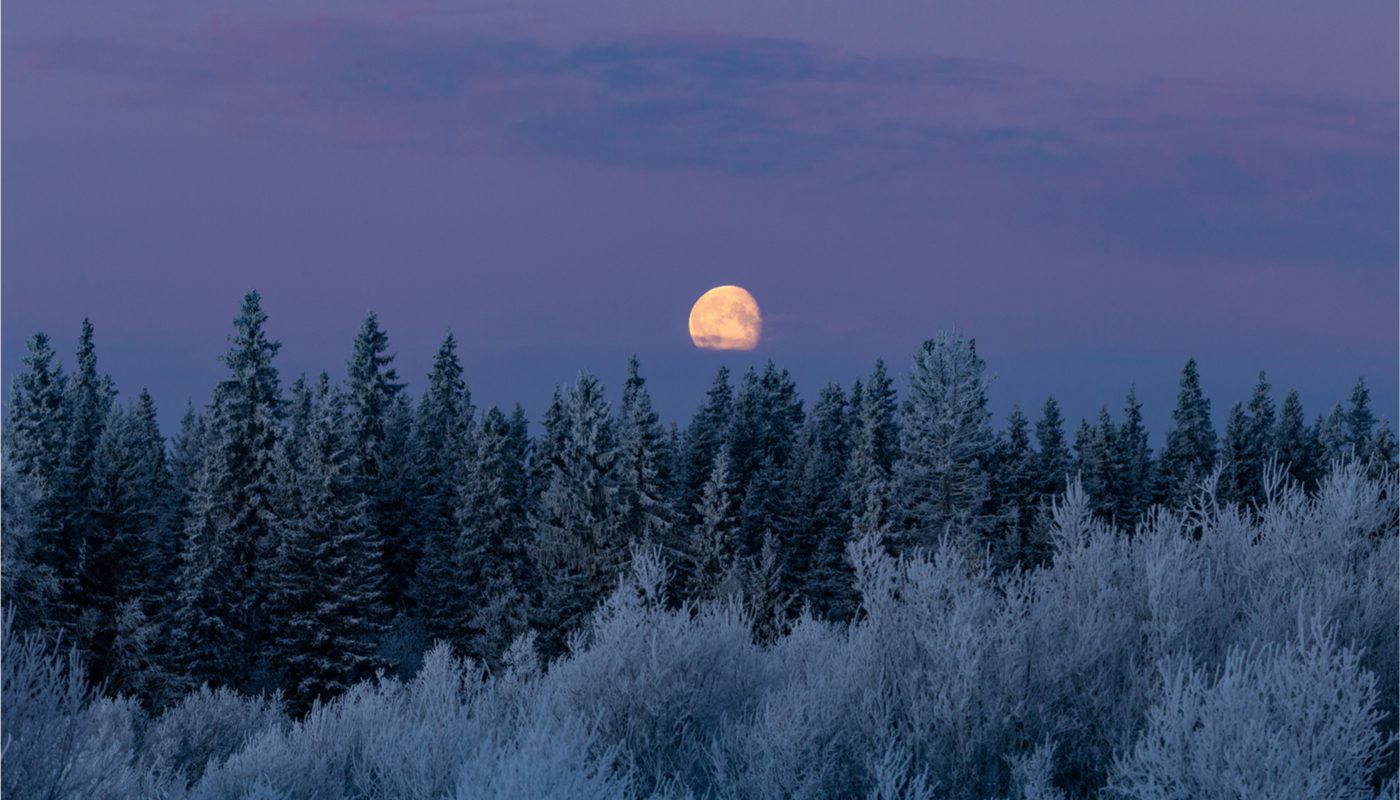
[726, 318]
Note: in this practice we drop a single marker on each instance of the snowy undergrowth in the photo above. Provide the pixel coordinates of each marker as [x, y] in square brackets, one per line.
[1213, 652]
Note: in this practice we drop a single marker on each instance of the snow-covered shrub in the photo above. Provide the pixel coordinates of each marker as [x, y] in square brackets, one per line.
[207, 726]
[1297, 721]
[60, 740]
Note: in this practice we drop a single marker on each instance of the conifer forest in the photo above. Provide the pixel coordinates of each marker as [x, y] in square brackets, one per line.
[323, 588]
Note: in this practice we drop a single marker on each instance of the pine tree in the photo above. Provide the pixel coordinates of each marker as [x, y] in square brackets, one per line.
[1096, 464]
[380, 421]
[1360, 422]
[1334, 437]
[442, 445]
[946, 439]
[815, 552]
[327, 605]
[1236, 458]
[38, 563]
[1190, 452]
[874, 449]
[643, 469]
[1295, 443]
[229, 524]
[87, 403]
[704, 438]
[1015, 489]
[762, 441]
[1053, 460]
[545, 453]
[711, 555]
[577, 545]
[1134, 463]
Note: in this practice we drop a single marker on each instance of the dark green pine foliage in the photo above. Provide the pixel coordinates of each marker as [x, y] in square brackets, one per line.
[495, 574]
[545, 453]
[231, 517]
[818, 572]
[1053, 458]
[131, 521]
[1360, 421]
[326, 568]
[1189, 456]
[441, 449]
[762, 441]
[87, 401]
[1015, 488]
[577, 546]
[1250, 443]
[712, 566]
[379, 424]
[947, 441]
[35, 558]
[1236, 463]
[704, 438]
[874, 449]
[643, 469]
[1096, 463]
[1297, 446]
[1135, 478]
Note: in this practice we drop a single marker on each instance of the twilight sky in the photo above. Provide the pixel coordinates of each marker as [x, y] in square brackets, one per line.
[1094, 197]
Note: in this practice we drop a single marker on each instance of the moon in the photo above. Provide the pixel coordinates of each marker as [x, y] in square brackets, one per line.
[726, 318]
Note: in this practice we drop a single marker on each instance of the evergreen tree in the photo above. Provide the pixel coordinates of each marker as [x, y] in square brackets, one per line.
[1236, 459]
[1333, 437]
[946, 439]
[327, 566]
[1296, 444]
[87, 403]
[704, 438]
[1360, 422]
[442, 445]
[711, 555]
[577, 544]
[1190, 452]
[874, 449]
[1015, 486]
[1053, 459]
[131, 530]
[1096, 463]
[38, 563]
[815, 552]
[762, 441]
[643, 468]
[379, 421]
[230, 520]
[545, 454]
[1134, 463]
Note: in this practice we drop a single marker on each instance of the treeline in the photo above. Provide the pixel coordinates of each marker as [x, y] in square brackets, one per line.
[302, 538]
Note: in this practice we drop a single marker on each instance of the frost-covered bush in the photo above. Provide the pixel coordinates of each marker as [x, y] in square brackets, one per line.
[206, 727]
[1297, 720]
[60, 739]
[1168, 661]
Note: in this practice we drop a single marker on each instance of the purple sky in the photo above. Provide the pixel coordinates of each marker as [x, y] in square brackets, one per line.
[1094, 197]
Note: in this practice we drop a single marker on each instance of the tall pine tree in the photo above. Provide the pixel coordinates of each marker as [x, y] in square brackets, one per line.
[1190, 452]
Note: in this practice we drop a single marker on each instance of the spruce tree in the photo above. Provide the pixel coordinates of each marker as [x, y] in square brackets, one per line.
[441, 448]
[577, 544]
[946, 439]
[1297, 447]
[1237, 466]
[38, 563]
[379, 423]
[1015, 489]
[324, 592]
[125, 572]
[1190, 452]
[704, 438]
[1096, 464]
[87, 403]
[712, 552]
[1134, 463]
[643, 469]
[815, 552]
[1053, 457]
[1360, 422]
[762, 441]
[874, 449]
[229, 523]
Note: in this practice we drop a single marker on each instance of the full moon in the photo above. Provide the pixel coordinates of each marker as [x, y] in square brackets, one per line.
[726, 318]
